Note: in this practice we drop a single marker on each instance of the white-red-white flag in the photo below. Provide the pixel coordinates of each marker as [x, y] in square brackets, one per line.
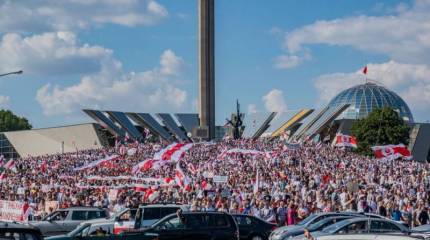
[345, 141]
[257, 183]
[3, 177]
[10, 165]
[180, 177]
[147, 165]
[391, 152]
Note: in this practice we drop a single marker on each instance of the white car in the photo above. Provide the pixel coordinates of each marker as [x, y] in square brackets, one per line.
[368, 237]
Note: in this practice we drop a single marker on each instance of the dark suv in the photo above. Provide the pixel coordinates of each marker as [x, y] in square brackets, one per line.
[14, 231]
[190, 225]
[147, 215]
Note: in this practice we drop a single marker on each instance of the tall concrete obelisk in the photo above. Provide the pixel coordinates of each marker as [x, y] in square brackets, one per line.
[207, 65]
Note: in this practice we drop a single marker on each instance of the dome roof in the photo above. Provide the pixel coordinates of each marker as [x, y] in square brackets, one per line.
[366, 97]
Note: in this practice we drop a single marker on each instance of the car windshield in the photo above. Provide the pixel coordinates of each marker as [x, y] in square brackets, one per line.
[56, 216]
[317, 225]
[332, 228]
[307, 220]
[78, 230]
[325, 222]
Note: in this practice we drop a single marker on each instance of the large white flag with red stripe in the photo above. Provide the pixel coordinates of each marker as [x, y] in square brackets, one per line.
[147, 165]
[173, 152]
[391, 152]
[345, 141]
[102, 162]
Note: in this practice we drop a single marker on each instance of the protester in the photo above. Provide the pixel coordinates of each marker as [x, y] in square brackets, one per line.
[264, 178]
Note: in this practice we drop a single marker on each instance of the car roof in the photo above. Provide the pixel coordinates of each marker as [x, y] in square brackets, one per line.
[16, 225]
[252, 216]
[204, 213]
[163, 205]
[82, 208]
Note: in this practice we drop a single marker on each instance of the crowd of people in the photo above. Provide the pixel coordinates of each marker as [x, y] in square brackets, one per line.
[283, 185]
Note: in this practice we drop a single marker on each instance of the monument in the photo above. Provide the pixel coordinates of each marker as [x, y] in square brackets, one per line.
[206, 42]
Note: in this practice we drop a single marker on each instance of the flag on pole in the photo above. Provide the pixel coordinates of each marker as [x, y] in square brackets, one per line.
[257, 183]
[180, 177]
[365, 70]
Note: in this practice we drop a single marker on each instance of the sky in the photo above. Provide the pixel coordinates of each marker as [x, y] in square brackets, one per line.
[141, 55]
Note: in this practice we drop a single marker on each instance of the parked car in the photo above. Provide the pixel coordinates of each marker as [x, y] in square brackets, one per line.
[311, 219]
[65, 220]
[147, 215]
[15, 231]
[422, 229]
[87, 231]
[190, 225]
[317, 226]
[370, 237]
[253, 228]
[361, 225]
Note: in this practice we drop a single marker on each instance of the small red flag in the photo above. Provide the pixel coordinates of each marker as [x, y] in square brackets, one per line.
[365, 70]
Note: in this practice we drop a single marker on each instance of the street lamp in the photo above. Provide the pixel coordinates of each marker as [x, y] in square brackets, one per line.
[9, 73]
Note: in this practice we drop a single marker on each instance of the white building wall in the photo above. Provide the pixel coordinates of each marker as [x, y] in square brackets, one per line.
[37, 142]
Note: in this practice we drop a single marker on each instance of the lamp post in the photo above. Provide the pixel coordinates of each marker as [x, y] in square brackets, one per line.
[10, 73]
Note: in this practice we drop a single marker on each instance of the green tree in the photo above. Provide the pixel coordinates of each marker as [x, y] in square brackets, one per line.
[381, 127]
[11, 122]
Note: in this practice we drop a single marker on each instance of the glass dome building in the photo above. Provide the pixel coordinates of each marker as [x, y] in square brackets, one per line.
[366, 97]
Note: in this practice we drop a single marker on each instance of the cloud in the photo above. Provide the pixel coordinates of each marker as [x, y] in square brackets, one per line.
[410, 81]
[286, 61]
[274, 101]
[35, 16]
[4, 101]
[252, 108]
[51, 53]
[147, 91]
[403, 36]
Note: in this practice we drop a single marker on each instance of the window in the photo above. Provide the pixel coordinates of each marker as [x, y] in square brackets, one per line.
[217, 220]
[79, 215]
[171, 224]
[96, 214]
[357, 227]
[195, 221]
[151, 213]
[100, 230]
[167, 211]
[17, 236]
[383, 226]
[58, 216]
[243, 220]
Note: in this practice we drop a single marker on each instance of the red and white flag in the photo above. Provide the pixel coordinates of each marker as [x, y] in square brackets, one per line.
[173, 152]
[147, 165]
[151, 195]
[391, 152]
[180, 177]
[104, 162]
[10, 165]
[365, 70]
[140, 188]
[345, 141]
[3, 177]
